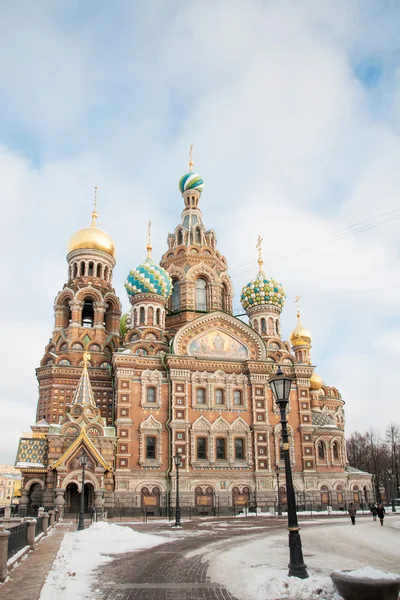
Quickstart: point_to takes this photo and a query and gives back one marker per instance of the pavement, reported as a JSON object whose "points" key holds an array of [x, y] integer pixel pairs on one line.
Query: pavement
{"points": [[25, 581]]}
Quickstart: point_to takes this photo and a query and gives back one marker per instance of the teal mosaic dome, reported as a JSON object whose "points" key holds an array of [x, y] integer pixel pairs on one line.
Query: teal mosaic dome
{"points": [[262, 291], [148, 278], [191, 181]]}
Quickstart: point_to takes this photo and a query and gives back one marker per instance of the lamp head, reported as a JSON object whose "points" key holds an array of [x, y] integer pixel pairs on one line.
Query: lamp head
{"points": [[280, 385], [177, 460], [83, 459]]}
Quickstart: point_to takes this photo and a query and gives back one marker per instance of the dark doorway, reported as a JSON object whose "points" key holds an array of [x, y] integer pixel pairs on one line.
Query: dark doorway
{"points": [[36, 496], [73, 498]]}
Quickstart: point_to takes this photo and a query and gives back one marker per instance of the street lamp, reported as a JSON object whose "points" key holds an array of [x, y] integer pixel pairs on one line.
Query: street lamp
{"points": [[392, 489], [279, 490], [83, 460], [280, 385], [178, 463]]}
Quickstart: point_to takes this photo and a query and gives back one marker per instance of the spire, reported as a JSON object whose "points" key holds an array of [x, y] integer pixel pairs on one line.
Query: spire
{"points": [[260, 258], [84, 393], [191, 163], [297, 303], [149, 247], [95, 213]]}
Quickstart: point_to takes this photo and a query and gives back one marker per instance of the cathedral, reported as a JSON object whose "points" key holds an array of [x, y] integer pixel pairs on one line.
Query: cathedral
{"points": [[178, 374]]}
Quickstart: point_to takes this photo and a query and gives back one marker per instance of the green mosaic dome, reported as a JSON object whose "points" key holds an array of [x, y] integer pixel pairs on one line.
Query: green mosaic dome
{"points": [[262, 291]]}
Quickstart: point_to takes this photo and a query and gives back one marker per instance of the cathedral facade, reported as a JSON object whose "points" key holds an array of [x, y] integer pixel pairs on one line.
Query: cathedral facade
{"points": [[178, 374]]}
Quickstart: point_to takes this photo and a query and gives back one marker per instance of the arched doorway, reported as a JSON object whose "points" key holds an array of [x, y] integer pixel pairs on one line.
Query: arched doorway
{"points": [[73, 498], [35, 497], [324, 491], [204, 499], [150, 500], [241, 498]]}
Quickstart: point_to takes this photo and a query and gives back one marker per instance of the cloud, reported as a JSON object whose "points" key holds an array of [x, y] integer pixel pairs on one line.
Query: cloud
{"points": [[292, 139]]}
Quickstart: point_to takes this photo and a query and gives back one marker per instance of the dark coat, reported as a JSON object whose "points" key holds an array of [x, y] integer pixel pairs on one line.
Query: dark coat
{"points": [[381, 512], [352, 511]]}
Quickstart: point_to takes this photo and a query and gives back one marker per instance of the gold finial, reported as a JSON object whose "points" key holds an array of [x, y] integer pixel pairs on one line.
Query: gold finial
{"points": [[297, 303], [86, 358], [94, 213], [191, 163], [149, 247], [259, 248]]}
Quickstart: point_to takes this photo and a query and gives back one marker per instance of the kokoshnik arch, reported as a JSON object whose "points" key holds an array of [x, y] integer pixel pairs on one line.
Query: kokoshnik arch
{"points": [[178, 373]]}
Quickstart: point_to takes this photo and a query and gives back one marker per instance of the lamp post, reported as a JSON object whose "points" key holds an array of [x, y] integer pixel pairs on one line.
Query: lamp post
{"points": [[83, 460], [178, 463], [279, 490], [392, 489], [280, 385]]}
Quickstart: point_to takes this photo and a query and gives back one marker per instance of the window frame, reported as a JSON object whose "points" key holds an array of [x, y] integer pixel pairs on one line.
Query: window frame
{"points": [[235, 392], [202, 439], [243, 451], [147, 439], [219, 392], [201, 389], [219, 446], [201, 305], [153, 389]]}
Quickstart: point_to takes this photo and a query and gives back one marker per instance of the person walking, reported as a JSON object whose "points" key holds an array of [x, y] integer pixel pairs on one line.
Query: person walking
{"points": [[374, 511], [352, 512], [381, 513]]}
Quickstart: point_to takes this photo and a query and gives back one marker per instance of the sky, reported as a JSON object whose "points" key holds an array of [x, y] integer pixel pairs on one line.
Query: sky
{"points": [[294, 113]]}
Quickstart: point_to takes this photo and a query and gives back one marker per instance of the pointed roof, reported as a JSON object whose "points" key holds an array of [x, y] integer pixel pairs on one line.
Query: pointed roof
{"points": [[90, 448], [84, 393]]}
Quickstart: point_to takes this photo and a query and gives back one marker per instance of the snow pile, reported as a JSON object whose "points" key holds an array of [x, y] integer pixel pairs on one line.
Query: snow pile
{"points": [[371, 573], [81, 552]]}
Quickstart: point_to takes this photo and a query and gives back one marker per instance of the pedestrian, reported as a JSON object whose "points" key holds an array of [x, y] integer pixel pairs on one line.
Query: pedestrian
{"points": [[352, 512], [381, 513], [374, 511]]}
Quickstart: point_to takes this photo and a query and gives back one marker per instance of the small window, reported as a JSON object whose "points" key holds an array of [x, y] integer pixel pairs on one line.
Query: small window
{"points": [[219, 397], [239, 449], [176, 296], [201, 396], [150, 447], [263, 326], [151, 394], [98, 272], [321, 450], [201, 448], [335, 451], [91, 267], [237, 397], [142, 315], [221, 448]]}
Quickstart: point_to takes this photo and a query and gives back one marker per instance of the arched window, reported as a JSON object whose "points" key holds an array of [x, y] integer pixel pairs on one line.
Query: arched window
{"points": [[142, 315], [82, 270], [180, 237], [151, 394], [98, 272], [321, 450], [176, 296], [158, 313], [224, 297], [151, 447], [263, 326], [221, 448], [87, 313], [106, 270], [198, 235], [239, 449], [237, 397], [200, 396], [66, 317], [219, 397], [270, 326], [75, 270], [335, 450], [90, 271], [324, 494], [201, 294], [339, 494]]}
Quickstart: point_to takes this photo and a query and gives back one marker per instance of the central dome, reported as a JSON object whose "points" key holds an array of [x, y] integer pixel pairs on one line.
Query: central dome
{"points": [[92, 238]]}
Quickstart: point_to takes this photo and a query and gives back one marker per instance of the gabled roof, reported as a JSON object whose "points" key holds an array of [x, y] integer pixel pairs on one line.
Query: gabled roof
{"points": [[90, 447], [84, 393]]}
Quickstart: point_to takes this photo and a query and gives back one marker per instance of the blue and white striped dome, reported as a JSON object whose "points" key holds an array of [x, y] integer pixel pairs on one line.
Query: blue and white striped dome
{"points": [[149, 278], [191, 181]]}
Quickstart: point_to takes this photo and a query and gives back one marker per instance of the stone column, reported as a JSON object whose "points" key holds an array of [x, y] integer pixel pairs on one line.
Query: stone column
{"points": [[52, 516], [40, 511], [60, 501], [4, 535], [31, 533], [7, 513], [45, 523], [99, 498]]}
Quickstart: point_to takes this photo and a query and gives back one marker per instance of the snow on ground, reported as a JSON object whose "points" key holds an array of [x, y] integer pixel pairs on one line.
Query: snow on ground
{"points": [[71, 575], [257, 570]]}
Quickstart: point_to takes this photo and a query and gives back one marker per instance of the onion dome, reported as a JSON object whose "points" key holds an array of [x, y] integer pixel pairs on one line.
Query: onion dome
{"points": [[149, 278], [122, 324], [92, 237], [191, 181], [300, 336], [315, 382], [262, 290]]}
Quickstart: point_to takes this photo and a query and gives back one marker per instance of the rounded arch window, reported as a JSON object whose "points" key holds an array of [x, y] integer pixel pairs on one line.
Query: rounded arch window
{"points": [[201, 396], [263, 326], [335, 450], [201, 294], [219, 397], [224, 297], [237, 397], [176, 296], [321, 450], [88, 313]]}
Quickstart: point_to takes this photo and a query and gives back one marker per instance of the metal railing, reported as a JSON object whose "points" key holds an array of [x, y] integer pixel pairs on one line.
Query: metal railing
{"points": [[39, 526], [17, 539]]}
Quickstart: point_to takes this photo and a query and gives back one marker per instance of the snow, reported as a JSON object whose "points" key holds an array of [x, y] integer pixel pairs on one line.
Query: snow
{"points": [[260, 571], [81, 552], [371, 573], [17, 556]]}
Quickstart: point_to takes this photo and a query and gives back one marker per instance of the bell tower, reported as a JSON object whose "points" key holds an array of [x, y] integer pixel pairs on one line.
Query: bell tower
{"points": [[87, 314], [199, 273]]}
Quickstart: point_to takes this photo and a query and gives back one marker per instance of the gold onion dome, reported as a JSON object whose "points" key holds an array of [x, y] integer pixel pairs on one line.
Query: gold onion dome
{"points": [[92, 237], [315, 382], [300, 336]]}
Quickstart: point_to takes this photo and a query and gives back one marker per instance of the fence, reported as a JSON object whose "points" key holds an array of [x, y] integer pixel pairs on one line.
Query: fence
{"points": [[17, 539], [39, 526]]}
